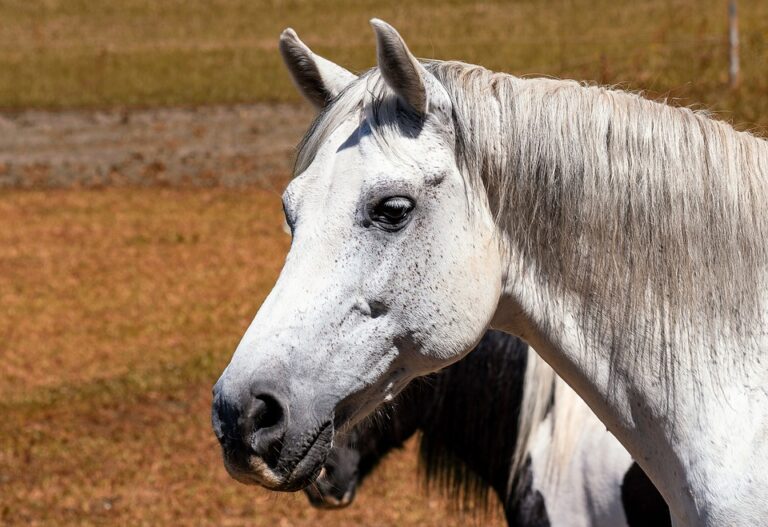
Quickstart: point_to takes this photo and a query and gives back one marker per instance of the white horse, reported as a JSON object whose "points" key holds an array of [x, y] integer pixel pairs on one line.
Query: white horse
{"points": [[625, 239]]}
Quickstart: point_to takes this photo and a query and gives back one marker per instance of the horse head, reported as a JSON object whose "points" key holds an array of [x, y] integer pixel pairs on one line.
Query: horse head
{"points": [[393, 272]]}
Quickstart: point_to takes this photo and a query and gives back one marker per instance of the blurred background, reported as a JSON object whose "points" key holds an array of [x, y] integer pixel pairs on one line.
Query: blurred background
{"points": [[143, 148]]}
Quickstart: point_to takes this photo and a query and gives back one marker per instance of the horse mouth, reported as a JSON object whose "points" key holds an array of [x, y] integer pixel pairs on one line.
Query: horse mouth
{"points": [[308, 465], [291, 471]]}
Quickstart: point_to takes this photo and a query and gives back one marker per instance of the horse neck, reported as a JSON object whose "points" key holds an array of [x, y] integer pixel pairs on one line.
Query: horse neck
{"points": [[677, 446], [640, 228], [658, 347]]}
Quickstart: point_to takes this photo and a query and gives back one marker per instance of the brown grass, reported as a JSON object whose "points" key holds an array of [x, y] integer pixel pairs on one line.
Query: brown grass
{"points": [[119, 309]]}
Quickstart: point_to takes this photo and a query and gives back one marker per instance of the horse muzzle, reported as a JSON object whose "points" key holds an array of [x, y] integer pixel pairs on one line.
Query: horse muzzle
{"points": [[264, 443]]}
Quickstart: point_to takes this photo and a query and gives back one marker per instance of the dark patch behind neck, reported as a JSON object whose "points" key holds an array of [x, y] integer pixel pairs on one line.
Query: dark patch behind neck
{"points": [[470, 431]]}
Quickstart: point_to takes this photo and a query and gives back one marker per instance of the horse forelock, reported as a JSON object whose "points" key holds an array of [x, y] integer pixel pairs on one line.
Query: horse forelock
{"points": [[370, 102]]}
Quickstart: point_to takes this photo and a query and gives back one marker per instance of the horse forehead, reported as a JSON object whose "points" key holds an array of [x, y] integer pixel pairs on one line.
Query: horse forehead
{"points": [[354, 157], [331, 157], [393, 147]]}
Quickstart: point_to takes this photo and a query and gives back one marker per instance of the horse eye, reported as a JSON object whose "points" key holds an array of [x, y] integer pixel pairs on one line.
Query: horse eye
{"points": [[391, 213]]}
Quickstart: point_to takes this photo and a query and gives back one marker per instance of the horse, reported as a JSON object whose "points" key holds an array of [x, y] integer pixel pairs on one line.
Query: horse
{"points": [[572, 472], [626, 240]]}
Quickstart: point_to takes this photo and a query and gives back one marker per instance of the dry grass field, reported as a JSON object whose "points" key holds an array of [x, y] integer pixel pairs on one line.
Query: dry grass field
{"points": [[125, 289], [120, 309], [76, 53]]}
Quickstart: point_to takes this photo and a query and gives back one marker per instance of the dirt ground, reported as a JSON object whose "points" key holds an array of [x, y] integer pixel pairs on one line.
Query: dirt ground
{"points": [[199, 147]]}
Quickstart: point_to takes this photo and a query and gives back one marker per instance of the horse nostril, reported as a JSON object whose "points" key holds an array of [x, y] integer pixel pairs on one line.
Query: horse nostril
{"points": [[265, 412], [262, 424], [253, 424]]}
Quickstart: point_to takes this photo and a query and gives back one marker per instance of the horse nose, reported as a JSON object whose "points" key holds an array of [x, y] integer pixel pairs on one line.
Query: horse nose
{"points": [[258, 423]]}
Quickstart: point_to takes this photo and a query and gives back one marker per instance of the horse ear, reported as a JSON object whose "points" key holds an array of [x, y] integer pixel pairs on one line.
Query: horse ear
{"points": [[400, 69], [318, 79]]}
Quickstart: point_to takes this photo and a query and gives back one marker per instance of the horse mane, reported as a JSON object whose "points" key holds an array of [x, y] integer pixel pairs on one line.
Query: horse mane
{"points": [[469, 428], [467, 448], [654, 216], [547, 401]]}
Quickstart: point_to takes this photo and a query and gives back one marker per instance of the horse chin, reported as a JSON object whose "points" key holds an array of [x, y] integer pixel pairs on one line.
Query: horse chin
{"points": [[289, 473], [329, 503], [325, 493]]}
